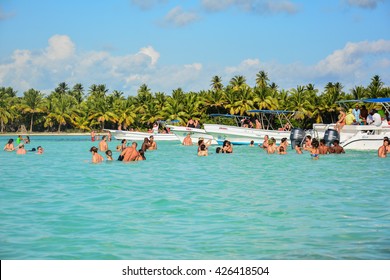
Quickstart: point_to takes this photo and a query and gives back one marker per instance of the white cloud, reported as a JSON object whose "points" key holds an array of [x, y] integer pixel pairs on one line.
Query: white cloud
{"points": [[60, 47], [353, 56], [370, 4], [256, 6], [355, 64], [178, 17], [150, 52]]}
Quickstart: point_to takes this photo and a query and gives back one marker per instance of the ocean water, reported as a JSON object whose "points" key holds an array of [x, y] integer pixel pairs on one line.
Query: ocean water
{"points": [[176, 205]]}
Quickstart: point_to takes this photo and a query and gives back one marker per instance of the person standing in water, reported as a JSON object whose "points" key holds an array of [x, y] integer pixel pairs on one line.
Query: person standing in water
{"points": [[96, 158]]}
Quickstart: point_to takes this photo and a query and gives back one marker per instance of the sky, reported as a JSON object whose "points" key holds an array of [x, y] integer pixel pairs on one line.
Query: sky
{"points": [[168, 44]]}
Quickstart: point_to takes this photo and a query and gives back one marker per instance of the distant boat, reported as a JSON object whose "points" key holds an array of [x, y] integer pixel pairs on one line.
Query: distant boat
{"points": [[140, 136], [239, 135], [182, 131], [359, 137]]}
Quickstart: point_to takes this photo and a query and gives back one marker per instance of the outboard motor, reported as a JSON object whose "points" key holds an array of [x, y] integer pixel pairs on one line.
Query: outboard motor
{"points": [[296, 137], [331, 135]]}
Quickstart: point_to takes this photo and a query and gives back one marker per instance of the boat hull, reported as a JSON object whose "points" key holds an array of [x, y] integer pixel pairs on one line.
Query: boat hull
{"points": [[140, 136], [358, 137], [242, 135], [182, 131]]}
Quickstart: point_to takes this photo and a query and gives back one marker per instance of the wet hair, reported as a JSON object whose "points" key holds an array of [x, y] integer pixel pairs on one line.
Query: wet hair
{"points": [[123, 141], [281, 149], [93, 149], [252, 142], [200, 142], [315, 143], [142, 153], [10, 141], [336, 141], [203, 147], [218, 150], [109, 152], [322, 141], [104, 137]]}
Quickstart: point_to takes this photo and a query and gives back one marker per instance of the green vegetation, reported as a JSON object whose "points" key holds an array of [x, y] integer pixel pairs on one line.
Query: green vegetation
{"points": [[71, 109]]}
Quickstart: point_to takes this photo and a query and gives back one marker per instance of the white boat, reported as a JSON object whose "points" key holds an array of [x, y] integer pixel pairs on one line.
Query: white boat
{"points": [[360, 137], [182, 131], [239, 135], [140, 136]]}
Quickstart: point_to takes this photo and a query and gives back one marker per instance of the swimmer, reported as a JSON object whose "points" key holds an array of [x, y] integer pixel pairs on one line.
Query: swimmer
{"points": [[39, 150], [203, 150], [103, 144], [141, 155], [96, 158], [21, 150], [109, 155], [187, 141], [152, 143], [9, 147], [315, 151]]}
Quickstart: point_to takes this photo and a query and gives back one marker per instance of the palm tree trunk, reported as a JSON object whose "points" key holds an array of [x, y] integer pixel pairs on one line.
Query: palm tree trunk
{"points": [[2, 126], [32, 121], [59, 128]]}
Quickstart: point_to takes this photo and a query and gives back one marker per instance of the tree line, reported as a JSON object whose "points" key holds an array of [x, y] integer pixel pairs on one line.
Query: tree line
{"points": [[74, 109]]}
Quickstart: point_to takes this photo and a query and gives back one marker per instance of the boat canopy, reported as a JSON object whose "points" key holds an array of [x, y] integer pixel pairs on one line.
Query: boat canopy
{"points": [[227, 116], [384, 101], [266, 117]]}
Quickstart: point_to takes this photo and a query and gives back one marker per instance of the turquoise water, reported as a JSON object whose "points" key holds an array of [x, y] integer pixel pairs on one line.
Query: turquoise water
{"points": [[175, 205]]}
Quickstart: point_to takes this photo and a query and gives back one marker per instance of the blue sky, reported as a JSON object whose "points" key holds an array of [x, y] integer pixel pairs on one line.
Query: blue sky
{"points": [[170, 44]]}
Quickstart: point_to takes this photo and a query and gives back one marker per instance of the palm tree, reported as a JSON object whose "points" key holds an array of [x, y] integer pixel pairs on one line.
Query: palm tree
{"points": [[32, 103], [375, 87], [78, 92], [237, 82], [63, 112], [216, 84], [262, 79], [7, 95]]}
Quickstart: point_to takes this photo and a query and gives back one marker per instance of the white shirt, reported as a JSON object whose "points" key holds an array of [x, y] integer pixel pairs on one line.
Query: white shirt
{"points": [[377, 119]]}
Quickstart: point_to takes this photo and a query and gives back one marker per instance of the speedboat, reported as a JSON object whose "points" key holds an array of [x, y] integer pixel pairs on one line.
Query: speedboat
{"points": [[240, 135], [360, 137], [140, 136], [182, 131]]}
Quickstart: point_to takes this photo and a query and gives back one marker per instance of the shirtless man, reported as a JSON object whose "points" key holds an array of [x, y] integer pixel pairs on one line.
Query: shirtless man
{"points": [[96, 158], [103, 144], [336, 149], [187, 140], [130, 153], [382, 151], [323, 148], [21, 150], [152, 144]]}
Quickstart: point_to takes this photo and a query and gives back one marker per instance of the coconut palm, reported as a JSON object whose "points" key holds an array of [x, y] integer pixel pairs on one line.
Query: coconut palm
{"points": [[7, 96], [32, 103], [237, 83], [63, 112], [262, 79], [375, 87], [216, 84]]}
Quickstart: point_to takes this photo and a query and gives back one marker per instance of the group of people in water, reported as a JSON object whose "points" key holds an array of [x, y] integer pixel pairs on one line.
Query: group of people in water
{"points": [[20, 146], [127, 152]]}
